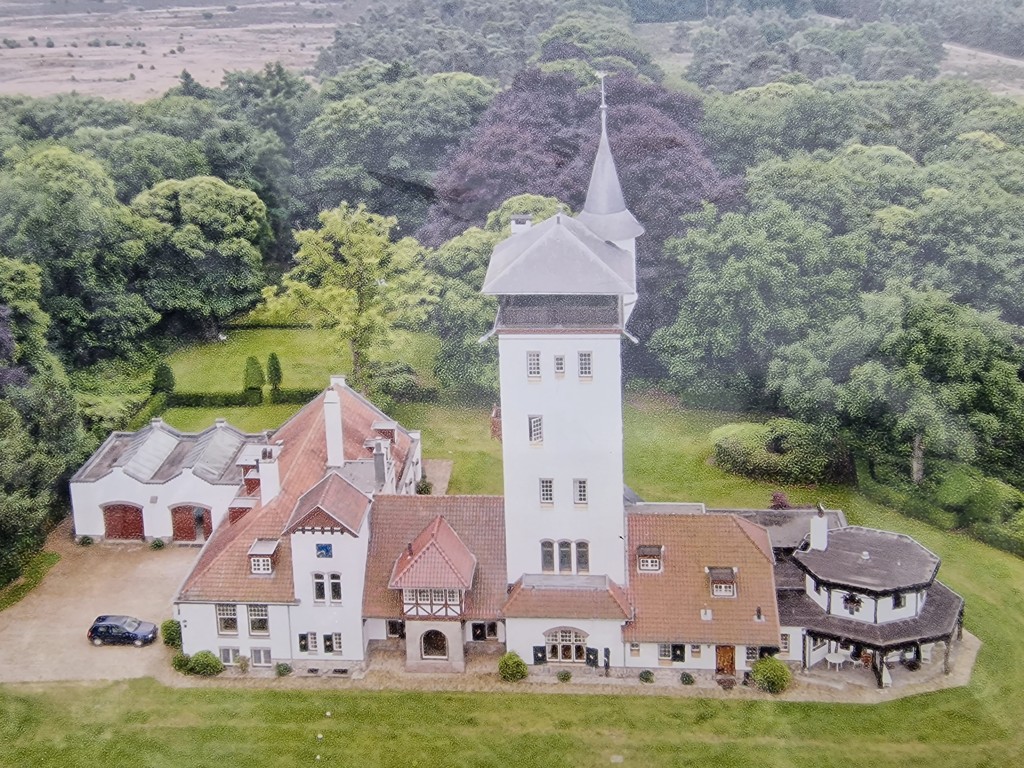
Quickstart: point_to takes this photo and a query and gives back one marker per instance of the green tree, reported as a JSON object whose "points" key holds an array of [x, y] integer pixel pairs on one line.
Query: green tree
{"points": [[205, 262], [163, 378], [355, 278], [254, 378], [274, 375]]}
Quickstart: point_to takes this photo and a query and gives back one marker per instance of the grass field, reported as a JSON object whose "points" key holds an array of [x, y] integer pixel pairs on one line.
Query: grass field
{"points": [[667, 448], [33, 573]]}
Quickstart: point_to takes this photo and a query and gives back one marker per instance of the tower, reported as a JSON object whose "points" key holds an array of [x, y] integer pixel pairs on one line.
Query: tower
{"points": [[565, 289]]}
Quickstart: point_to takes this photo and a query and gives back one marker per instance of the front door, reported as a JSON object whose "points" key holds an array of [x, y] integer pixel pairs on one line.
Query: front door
{"points": [[725, 659], [183, 524], [123, 521]]}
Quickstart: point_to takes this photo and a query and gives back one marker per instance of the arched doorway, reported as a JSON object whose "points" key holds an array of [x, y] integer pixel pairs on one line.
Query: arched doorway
{"points": [[434, 645], [566, 645], [191, 523], [123, 521]]}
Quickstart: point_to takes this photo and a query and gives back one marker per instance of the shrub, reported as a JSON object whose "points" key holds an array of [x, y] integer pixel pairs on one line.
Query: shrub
{"points": [[156, 544], [780, 501], [85, 541], [564, 676], [424, 487], [646, 676], [274, 374], [249, 397], [512, 668], [781, 450], [254, 378], [180, 662], [282, 670], [293, 396], [686, 678], [771, 675], [163, 378], [205, 664], [243, 664], [171, 632]]}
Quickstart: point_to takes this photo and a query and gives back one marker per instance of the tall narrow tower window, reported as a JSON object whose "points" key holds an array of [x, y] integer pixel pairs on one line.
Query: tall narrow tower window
{"points": [[533, 365], [536, 429], [565, 557], [547, 556], [582, 557], [547, 490], [580, 495], [586, 365]]}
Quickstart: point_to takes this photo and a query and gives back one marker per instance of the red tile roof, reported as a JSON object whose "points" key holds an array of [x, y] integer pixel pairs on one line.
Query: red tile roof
{"points": [[668, 603], [332, 502], [223, 572], [396, 521], [436, 559], [567, 597]]}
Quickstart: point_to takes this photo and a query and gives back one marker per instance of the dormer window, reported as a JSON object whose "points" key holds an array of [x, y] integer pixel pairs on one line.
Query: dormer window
{"points": [[852, 604], [261, 564], [648, 558], [723, 582], [899, 600], [261, 556]]}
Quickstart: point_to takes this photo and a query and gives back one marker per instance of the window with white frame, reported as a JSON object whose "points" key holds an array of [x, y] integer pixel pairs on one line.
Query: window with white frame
{"points": [[784, 643], [579, 491], [648, 558], [312, 643], [664, 651], [565, 557], [723, 589], [694, 651], [671, 652], [229, 656], [586, 364], [566, 645], [335, 587], [261, 565], [582, 557], [260, 657], [227, 619], [650, 563], [319, 587], [547, 490], [533, 365], [335, 643], [634, 649], [559, 365], [259, 620], [536, 429], [547, 556], [753, 653]]}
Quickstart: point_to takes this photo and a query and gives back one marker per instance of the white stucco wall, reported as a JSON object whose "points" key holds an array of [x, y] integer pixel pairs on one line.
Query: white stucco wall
{"points": [[309, 616], [199, 631], [468, 634], [648, 658], [89, 499], [582, 440], [523, 634]]}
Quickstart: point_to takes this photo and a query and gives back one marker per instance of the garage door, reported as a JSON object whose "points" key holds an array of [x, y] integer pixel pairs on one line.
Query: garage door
{"points": [[123, 521], [183, 523]]}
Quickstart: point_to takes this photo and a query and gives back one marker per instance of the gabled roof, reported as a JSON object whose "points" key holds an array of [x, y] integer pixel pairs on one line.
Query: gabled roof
{"points": [[158, 453], [553, 596], [436, 559], [559, 256], [223, 572], [479, 522], [331, 503], [605, 212], [668, 603]]}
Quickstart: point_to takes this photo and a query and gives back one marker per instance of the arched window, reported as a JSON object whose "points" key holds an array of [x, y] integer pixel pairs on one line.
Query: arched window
{"points": [[547, 556], [434, 645], [565, 557], [582, 557], [566, 645]]}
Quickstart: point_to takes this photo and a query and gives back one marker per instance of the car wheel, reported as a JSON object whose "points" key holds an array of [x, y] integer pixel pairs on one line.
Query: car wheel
{"points": [[97, 642], [137, 642]]}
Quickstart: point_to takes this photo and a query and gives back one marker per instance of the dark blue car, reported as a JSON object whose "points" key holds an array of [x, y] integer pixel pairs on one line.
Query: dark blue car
{"points": [[109, 630]]}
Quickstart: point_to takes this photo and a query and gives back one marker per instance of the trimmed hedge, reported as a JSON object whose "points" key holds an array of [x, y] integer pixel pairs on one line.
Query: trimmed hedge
{"points": [[780, 450], [171, 632], [512, 668], [293, 396], [205, 664], [152, 408], [250, 397]]}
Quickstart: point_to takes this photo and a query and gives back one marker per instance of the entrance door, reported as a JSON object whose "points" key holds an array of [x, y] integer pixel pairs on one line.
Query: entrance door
{"points": [[725, 659], [183, 524], [123, 521], [434, 645]]}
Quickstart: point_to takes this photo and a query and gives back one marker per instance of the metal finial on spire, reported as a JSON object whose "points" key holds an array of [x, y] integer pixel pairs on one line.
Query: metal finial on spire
{"points": [[604, 105]]}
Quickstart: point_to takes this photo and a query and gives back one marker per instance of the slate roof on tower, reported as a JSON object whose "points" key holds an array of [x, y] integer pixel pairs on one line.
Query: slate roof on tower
{"points": [[605, 212], [559, 256]]}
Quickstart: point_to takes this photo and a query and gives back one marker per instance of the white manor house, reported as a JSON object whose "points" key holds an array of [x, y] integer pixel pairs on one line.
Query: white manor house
{"points": [[317, 549]]}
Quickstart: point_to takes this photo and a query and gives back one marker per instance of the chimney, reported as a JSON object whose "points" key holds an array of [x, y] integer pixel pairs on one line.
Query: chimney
{"points": [[380, 469], [521, 222], [332, 428], [270, 475], [819, 530]]}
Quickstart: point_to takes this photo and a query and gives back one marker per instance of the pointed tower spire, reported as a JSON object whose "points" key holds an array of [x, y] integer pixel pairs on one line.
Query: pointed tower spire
{"points": [[605, 212]]}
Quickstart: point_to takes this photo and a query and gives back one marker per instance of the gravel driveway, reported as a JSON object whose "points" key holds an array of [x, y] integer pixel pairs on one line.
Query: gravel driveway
{"points": [[42, 637]]}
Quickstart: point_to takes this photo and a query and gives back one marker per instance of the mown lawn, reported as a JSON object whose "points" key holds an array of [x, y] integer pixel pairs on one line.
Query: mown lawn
{"points": [[666, 453]]}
